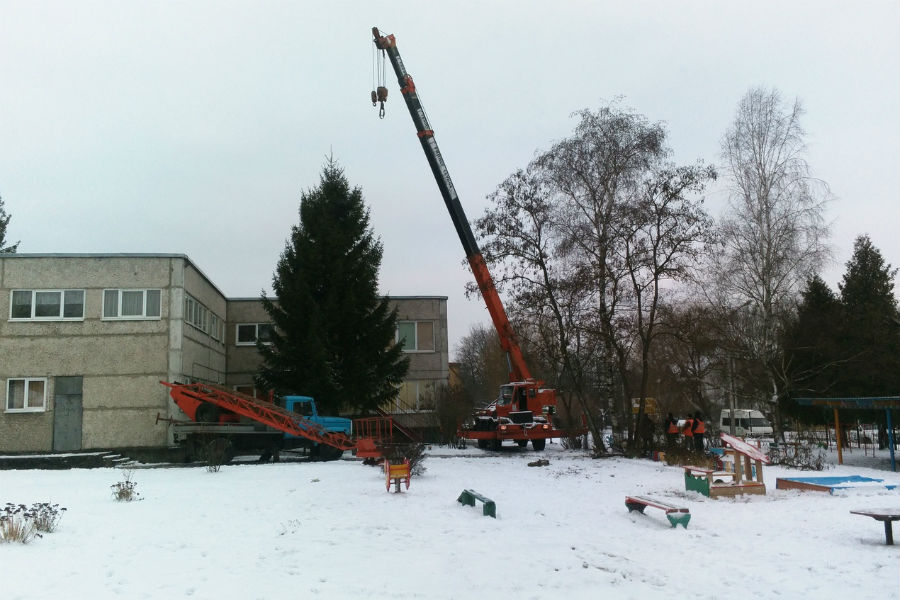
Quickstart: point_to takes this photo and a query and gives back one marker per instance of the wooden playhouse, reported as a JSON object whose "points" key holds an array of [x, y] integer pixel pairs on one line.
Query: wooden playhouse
{"points": [[743, 472]]}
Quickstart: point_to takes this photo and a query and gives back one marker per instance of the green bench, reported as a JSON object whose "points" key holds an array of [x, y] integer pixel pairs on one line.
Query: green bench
{"points": [[468, 498], [675, 514]]}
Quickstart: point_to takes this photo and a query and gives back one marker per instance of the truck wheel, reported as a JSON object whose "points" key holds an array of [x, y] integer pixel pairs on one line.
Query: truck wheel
{"points": [[538, 445], [329, 452], [483, 444], [496, 445], [207, 413], [522, 443]]}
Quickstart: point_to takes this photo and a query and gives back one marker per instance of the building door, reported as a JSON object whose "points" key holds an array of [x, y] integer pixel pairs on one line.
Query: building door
{"points": [[67, 414]]}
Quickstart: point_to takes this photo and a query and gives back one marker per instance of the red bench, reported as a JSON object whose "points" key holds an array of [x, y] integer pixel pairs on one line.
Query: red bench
{"points": [[675, 514]]}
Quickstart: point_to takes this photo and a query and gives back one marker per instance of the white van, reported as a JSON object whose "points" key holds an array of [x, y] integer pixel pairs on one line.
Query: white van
{"points": [[747, 422]]}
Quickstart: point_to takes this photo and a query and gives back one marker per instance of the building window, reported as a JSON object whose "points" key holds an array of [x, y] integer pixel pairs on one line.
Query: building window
{"points": [[248, 333], [26, 395], [249, 390], [416, 336], [46, 305], [131, 304], [416, 396], [197, 315]]}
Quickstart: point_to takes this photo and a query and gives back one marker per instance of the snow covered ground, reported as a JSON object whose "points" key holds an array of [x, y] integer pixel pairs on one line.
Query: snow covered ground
{"points": [[330, 530]]}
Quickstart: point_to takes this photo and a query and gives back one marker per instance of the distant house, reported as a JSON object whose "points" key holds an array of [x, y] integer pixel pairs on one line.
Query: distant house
{"points": [[88, 337]]}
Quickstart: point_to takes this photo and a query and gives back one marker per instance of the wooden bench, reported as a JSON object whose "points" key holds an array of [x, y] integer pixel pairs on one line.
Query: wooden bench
{"points": [[468, 498], [675, 514], [887, 516]]}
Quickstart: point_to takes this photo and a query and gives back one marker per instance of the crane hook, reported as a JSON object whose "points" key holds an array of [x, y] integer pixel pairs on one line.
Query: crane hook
{"points": [[380, 96]]}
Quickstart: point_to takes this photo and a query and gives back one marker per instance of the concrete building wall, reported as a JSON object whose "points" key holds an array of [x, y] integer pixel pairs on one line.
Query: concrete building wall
{"points": [[203, 339], [120, 360], [243, 360]]}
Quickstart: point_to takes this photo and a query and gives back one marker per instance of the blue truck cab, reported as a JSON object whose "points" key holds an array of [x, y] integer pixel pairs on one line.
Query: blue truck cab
{"points": [[305, 406]]}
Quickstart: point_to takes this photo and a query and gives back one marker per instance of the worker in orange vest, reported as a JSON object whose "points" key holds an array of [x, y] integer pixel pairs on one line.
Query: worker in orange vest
{"points": [[699, 430], [688, 433], [671, 431]]}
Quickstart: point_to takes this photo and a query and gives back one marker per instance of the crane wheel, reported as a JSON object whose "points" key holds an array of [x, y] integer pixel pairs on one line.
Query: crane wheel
{"points": [[538, 445]]}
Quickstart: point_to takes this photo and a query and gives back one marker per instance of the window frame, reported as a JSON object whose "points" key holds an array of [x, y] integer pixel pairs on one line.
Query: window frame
{"points": [[202, 318], [256, 326], [423, 389], [33, 304], [415, 323], [120, 293], [25, 408]]}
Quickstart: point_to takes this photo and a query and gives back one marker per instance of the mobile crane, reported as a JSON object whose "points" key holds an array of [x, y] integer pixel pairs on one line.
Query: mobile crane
{"points": [[523, 410]]}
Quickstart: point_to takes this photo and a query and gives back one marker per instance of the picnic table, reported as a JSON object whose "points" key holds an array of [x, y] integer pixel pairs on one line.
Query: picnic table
{"points": [[885, 515]]}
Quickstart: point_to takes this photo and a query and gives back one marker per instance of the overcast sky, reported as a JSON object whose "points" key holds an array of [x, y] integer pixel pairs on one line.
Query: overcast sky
{"points": [[193, 127]]}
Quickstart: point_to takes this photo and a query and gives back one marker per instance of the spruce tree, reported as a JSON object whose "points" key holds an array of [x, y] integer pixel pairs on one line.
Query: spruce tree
{"points": [[814, 349], [334, 336], [871, 331]]}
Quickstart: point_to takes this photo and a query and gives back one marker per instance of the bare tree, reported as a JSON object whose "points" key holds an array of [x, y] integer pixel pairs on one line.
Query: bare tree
{"points": [[4, 222], [687, 356], [663, 232], [774, 236], [482, 365], [582, 239]]}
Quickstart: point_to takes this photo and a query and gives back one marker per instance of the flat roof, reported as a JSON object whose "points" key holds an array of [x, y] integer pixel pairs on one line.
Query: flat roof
{"points": [[184, 257]]}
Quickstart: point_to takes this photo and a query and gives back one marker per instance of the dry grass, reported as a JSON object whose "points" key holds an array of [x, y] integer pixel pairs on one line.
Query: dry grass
{"points": [[21, 524], [125, 490]]}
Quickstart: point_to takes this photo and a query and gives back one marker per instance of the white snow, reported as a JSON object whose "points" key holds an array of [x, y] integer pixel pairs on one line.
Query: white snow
{"points": [[331, 530]]}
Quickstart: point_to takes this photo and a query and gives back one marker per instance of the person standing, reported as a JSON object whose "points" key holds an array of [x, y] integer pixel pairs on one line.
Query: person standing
{"points": [[688, 432], [698, 429], [671, 426], [647, 432]]}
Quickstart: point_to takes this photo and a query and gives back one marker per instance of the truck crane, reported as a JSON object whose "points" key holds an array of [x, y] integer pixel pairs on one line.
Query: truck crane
{"points": [[248, 423], [523, 409]]}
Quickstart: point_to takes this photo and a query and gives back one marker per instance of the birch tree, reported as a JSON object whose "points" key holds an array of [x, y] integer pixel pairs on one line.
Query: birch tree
{"points": [[774, 234]]}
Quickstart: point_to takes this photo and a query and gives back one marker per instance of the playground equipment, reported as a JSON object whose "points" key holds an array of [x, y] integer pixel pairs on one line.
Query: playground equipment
{"points": [[488, 507], [830, 484], [744, 475], [887, 403], [396, 473], [675, 514], [886, 516]]}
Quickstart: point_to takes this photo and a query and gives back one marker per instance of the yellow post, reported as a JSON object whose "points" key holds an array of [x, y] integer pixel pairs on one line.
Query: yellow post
{"points": [[837, 434]]}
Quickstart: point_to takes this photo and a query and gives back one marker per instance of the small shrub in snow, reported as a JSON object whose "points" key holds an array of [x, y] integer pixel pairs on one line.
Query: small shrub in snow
{"points": [[415, 453], [217, 453], [17, 524], [46, 516], [800, 455], [291, 526], [125, 490]]}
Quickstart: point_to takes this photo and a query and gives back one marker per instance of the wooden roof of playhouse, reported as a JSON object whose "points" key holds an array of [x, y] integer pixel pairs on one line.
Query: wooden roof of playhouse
{"points": [[742, 447]]}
